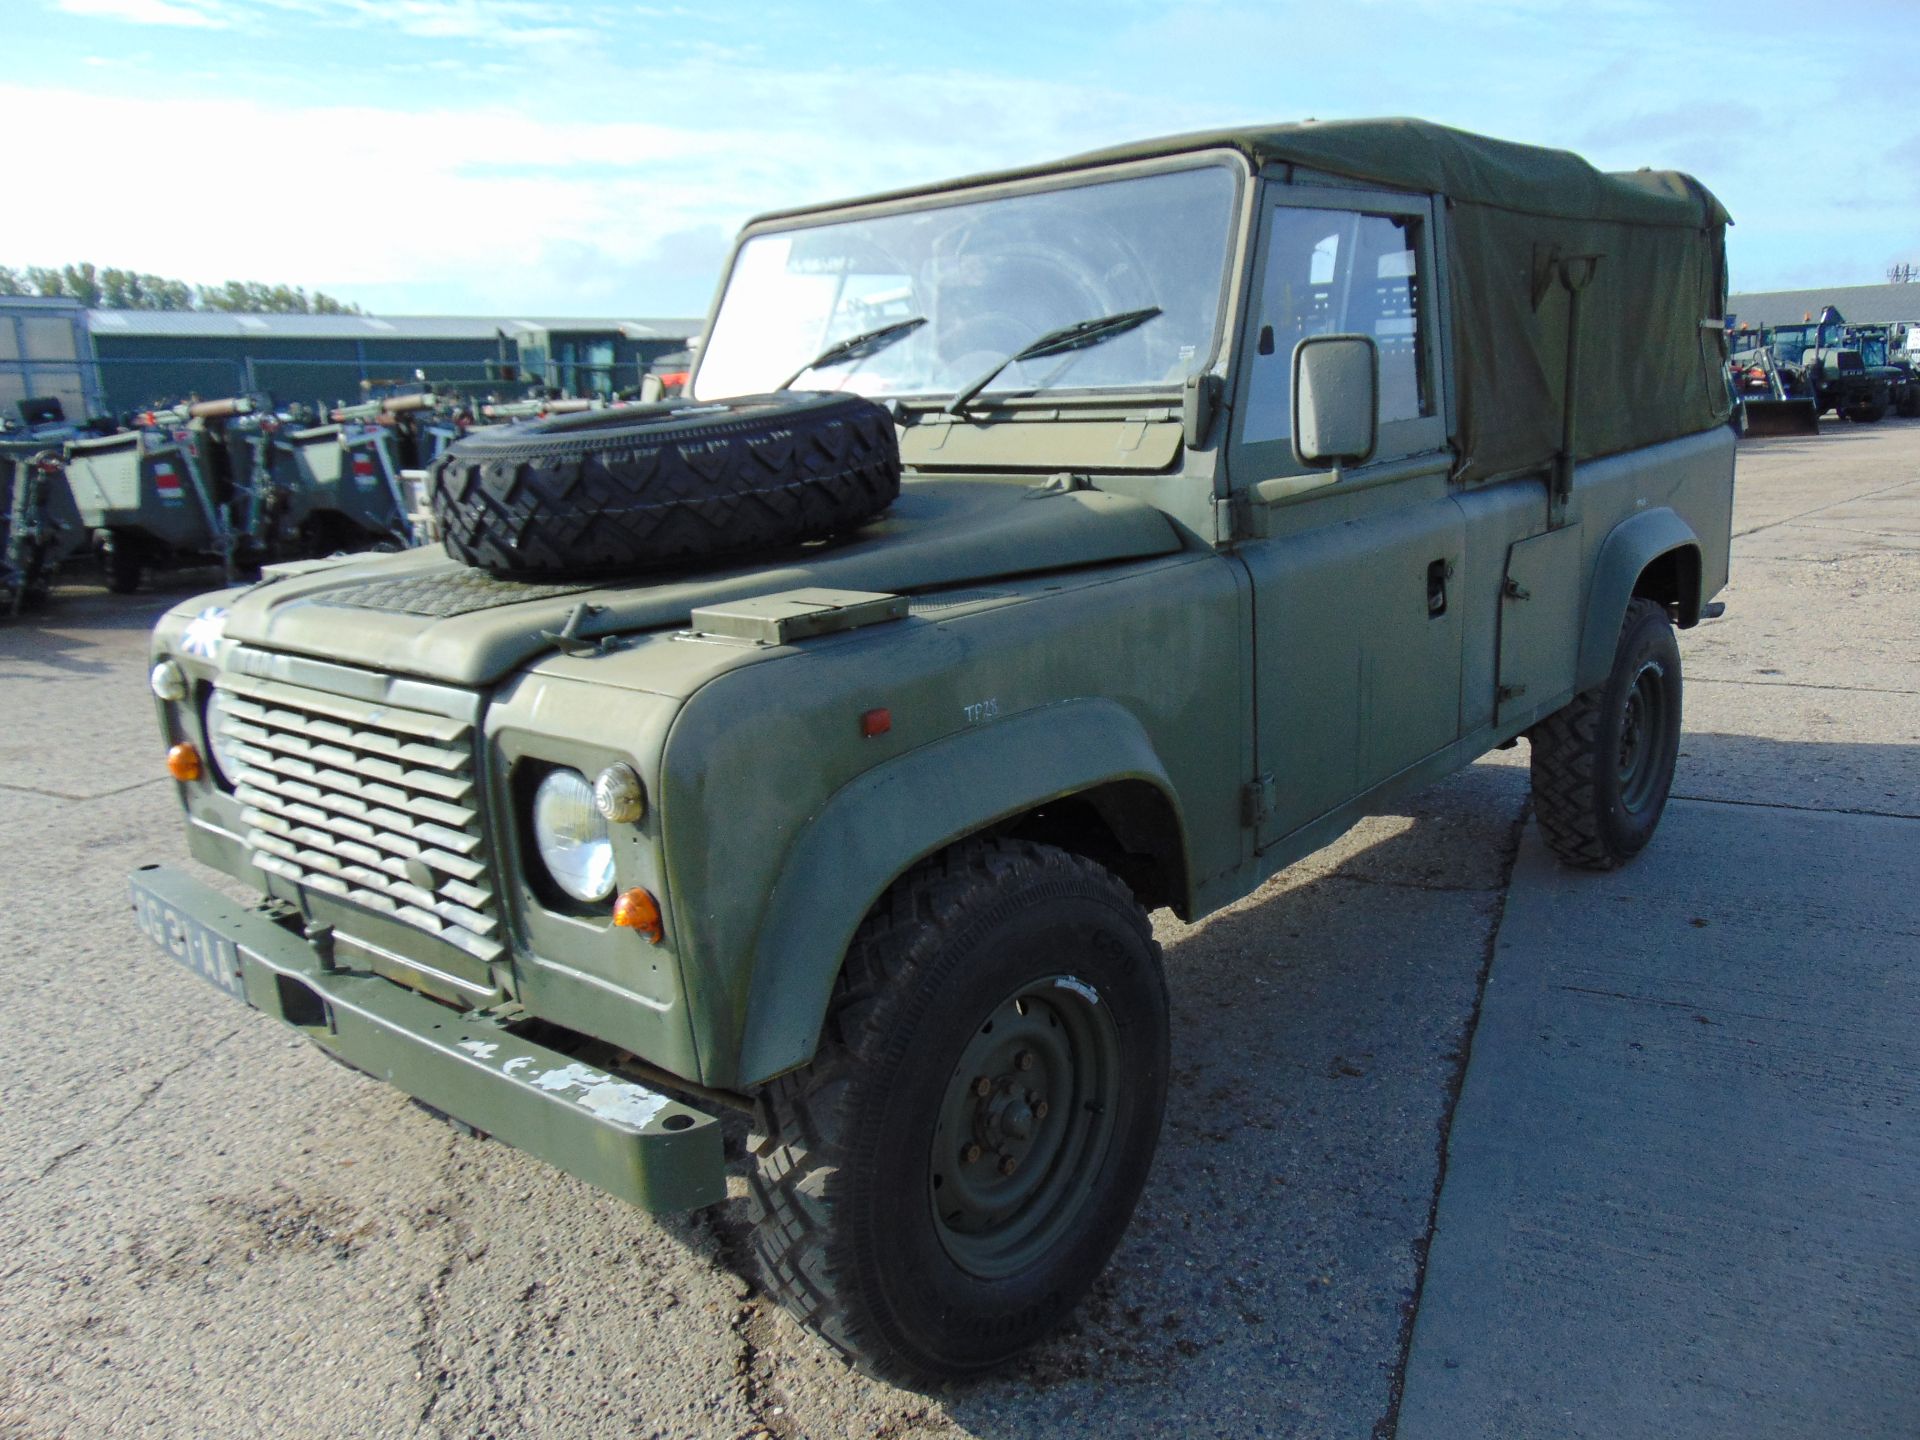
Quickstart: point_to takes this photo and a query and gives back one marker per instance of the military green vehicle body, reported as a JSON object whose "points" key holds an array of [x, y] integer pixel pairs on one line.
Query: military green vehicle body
{"points": [[343, 483], [39, 524], [1127, 622], [1843, 374], [154, 486]]}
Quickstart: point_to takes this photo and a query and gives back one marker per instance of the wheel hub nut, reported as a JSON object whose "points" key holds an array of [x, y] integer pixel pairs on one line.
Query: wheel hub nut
{"points": [[970, 1154], [1006, 1165], [1025, 1060], [983, 1087]]}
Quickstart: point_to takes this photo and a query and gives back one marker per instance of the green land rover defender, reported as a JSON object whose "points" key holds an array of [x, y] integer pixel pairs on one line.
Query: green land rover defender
{"points": [[1027, 553]]}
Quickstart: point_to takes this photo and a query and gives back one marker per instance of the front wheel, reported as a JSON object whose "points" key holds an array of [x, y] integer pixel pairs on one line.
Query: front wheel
{"points": [[950, 1174], [1603, 763]]}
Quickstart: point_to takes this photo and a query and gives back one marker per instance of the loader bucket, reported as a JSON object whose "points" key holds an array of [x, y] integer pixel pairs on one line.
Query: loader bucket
{"points": [[1760, 418]]}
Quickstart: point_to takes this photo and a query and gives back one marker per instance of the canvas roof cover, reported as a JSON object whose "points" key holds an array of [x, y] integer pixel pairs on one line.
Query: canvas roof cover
{"points": [[1651, 347]]}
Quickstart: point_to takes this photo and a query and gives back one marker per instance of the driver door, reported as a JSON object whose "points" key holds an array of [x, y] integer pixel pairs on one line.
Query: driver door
{"points": [[1357, 627]]}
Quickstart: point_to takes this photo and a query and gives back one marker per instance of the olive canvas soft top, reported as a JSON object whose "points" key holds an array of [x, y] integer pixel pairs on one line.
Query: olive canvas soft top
{"points": [[1651, 342], [1651, 346]]}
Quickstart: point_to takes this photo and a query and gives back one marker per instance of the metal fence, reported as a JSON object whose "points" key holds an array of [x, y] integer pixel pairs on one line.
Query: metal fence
{"points": [[133, 382]]}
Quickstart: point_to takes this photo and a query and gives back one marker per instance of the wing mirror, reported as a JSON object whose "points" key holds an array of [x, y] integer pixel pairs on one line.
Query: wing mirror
{"points": [[1336, 394]]}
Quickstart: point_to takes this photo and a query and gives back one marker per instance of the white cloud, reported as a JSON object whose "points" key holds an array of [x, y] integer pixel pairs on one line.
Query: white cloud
{"points": [[489, 208], [199, 14], [518, 22]]}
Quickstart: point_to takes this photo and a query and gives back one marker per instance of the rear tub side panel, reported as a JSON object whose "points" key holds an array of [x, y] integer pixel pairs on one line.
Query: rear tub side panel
{"points": [[1637, 507], [756, 759]]}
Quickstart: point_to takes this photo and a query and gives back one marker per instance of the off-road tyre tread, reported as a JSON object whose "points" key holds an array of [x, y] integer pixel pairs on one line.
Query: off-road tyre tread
{"points": [[803, 1262], [664, 491], [1565, 754], [120, 565]]}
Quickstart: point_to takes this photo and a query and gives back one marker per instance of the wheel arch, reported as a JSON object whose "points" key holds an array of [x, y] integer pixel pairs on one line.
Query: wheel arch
{"points": [[1082, 775], [1653, 555]]}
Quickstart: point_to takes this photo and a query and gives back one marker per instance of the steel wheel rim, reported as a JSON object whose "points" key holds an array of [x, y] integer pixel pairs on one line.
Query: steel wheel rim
{"points": [[1643, 736], [1026, 1120]]}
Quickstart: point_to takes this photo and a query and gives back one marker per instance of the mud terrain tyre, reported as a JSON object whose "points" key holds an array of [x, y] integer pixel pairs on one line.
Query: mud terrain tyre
{"points": [[637, 486], [1603, 763], [120, 562], [950, 1174]]}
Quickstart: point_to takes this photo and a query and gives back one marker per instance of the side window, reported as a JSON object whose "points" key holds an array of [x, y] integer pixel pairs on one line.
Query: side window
{"points": [[1338, 271]]}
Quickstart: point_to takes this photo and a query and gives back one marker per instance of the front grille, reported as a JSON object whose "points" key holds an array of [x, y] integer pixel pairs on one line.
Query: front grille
{"points": [[368, 802]]}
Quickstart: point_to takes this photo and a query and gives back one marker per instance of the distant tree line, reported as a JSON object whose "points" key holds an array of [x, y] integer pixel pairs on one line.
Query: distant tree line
{"points": [[112, 289]]}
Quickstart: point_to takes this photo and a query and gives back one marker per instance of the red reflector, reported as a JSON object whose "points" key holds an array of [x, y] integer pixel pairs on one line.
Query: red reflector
{"points": [[362, 465], [876, 722]]}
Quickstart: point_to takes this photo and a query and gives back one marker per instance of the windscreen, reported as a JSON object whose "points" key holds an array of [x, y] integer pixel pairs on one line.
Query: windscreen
{"points": [[984, 279]]}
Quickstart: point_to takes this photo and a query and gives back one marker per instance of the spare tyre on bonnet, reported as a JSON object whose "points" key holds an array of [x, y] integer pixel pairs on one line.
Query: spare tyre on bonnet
{"points": [[645, 485]]}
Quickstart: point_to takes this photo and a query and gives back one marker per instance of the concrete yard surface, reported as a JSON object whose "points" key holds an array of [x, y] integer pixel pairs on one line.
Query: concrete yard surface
{"points": [[1680, 1192]]}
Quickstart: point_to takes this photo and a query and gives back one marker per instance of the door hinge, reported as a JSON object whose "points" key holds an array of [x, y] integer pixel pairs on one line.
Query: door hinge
{"points": [[1257, 799]]}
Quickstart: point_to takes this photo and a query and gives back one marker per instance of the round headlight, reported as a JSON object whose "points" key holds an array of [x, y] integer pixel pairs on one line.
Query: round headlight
{"points": [[226, 765], [572, 836]]}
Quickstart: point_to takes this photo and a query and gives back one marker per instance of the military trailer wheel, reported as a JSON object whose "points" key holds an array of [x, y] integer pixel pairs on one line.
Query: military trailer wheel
{"points": [[1603, 763], [952, 1171], [120, 563]]}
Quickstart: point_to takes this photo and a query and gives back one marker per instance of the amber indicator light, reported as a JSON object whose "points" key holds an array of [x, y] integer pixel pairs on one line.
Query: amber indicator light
{"points": [[183, 762], [876, 722], [637, 910]]}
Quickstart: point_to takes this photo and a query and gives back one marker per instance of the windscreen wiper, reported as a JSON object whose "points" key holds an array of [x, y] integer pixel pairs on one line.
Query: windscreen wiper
{"points": [[1077, 336], [857, 347]]}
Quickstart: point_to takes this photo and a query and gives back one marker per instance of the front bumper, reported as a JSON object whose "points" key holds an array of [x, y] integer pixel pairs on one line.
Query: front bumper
{"points": [[630, 1141]]}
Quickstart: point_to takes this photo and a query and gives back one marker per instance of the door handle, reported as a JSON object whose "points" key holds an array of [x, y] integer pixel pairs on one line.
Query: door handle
{"points": [[1437, 575]]}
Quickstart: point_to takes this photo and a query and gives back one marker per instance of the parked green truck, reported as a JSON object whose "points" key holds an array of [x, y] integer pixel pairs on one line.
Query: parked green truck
{"points": [[1094, 537]]}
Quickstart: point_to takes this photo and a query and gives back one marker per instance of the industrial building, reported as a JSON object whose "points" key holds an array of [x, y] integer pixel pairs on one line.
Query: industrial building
{"points": [[108, 362], [1862, 304]]}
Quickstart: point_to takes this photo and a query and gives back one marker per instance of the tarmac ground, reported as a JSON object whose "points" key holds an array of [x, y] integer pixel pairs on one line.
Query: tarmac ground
{"points": [[1646, 1223]]}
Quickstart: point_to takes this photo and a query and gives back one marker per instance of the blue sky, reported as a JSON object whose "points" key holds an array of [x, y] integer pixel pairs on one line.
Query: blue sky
{"points": [[520, 157]]}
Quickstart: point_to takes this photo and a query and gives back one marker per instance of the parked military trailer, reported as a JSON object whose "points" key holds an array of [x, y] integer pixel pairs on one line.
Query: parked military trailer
{"points": [[1123, 530], [39, 525], [345, 486]]}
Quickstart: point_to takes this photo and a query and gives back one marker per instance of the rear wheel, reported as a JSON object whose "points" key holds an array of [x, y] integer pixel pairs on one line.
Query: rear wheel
{"points": [[1868, 412], [1603, 764], [120, 563], [952, 1171]]}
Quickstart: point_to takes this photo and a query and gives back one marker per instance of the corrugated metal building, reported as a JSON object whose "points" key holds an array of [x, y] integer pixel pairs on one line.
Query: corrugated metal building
{"points": [[1862, 304], [131, 359], [44, 351]]}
